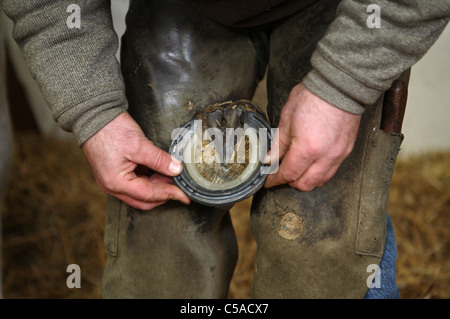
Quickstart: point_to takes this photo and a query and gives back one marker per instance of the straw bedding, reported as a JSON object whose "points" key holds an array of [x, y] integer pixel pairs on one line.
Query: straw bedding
{"points": [[53, 216]]}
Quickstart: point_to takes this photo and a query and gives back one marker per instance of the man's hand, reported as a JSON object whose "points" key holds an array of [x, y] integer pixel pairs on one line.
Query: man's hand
{"points": [[314, 138], [114, 153]]}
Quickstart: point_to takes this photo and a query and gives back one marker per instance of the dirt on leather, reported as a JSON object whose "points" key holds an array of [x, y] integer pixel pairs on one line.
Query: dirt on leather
{"points": [[53, 215]]}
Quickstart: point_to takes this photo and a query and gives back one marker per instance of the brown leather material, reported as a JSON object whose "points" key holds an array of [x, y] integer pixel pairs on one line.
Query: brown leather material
{"points": [[172, 251], [394, 105], [379, 160], [314, 244], [175, 62], [319, 244]]}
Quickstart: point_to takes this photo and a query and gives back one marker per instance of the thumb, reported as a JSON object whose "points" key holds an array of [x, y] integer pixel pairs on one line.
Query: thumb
{"points": [[156, 159]]}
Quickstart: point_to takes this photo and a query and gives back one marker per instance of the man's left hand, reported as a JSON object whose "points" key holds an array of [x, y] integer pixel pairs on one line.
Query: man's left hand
{"points": [[314, 138]]}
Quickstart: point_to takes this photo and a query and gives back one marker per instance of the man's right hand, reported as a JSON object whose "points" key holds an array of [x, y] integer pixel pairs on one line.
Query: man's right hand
{"points": [[114, 153]]}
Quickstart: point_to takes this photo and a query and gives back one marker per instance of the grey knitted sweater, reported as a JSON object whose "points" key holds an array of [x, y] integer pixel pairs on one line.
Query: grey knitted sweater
{"points": [[80, 77]]}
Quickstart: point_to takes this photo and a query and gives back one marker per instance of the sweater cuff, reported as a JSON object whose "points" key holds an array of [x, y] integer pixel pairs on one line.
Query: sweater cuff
{"points": [[338, 87], [95, 114]]}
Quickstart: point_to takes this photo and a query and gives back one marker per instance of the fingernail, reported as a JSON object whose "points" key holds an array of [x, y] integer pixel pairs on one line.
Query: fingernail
{"points": [[175, 167]]}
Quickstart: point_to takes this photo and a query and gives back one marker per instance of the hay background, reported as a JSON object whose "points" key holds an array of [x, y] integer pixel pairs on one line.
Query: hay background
{"points": [[53, 216]]}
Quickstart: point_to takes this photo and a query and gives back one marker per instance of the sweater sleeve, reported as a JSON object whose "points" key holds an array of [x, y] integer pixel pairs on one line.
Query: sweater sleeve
{"points": [[354, 64], [75, 68]]}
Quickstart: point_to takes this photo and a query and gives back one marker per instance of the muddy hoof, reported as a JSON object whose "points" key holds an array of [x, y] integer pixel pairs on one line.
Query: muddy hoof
{"points": [[222, 149]]}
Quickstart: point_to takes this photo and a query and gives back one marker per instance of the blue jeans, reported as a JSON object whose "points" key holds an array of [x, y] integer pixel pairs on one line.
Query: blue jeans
{"points": [[387, 288]]}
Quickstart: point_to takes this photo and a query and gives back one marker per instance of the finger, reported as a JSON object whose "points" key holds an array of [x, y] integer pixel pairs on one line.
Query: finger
{"points": [[157, 159], [316, 175], [145, 189], [292, 167], [158, 178], [137, 203]]}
